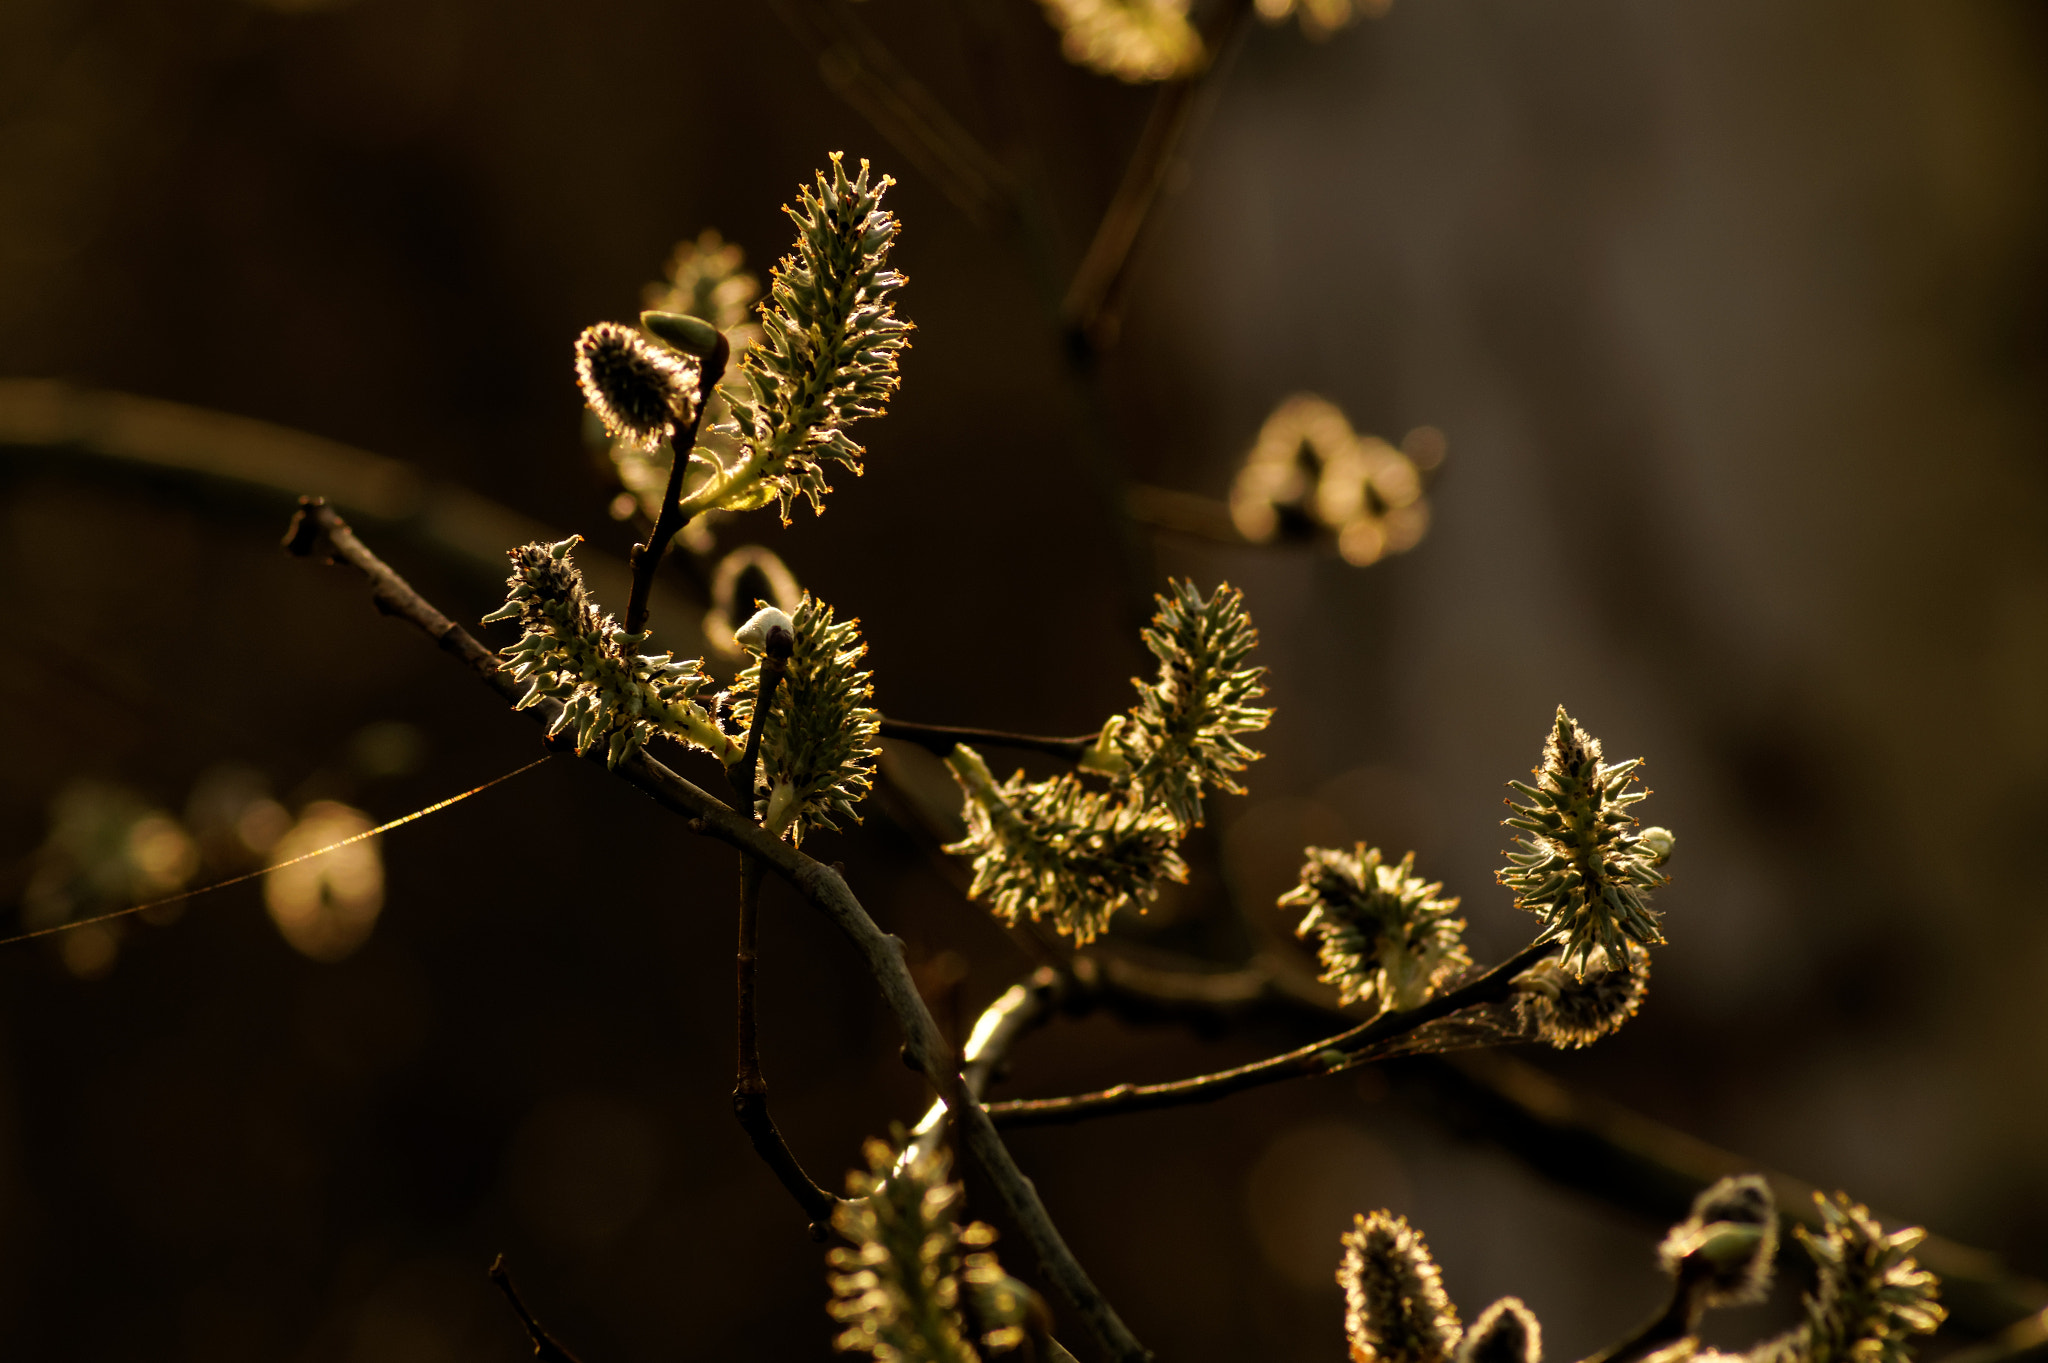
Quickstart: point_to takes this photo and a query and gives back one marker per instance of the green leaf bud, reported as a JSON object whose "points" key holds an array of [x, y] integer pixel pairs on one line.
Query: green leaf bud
{"points": [[1728, 1245], [573, 653], [680, 331], [818, 748], [912, 1285]]}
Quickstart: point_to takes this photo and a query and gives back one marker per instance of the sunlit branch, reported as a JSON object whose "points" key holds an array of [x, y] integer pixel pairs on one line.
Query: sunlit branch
{"points": [[317, 532], [1319, 1057], [647, 557], [943, 738]]}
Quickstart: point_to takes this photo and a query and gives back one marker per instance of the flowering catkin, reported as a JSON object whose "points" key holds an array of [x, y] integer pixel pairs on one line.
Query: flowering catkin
{"points": [[639, 390], [1395, 1308], [1583, 868]]}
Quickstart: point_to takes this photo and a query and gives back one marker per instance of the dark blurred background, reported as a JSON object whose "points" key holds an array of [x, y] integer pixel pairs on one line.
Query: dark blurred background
{"points": [[1733, 318]]}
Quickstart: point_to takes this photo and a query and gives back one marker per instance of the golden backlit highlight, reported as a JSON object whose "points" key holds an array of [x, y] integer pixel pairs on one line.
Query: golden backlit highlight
{"points": [[326, 907], [1310, 470]]}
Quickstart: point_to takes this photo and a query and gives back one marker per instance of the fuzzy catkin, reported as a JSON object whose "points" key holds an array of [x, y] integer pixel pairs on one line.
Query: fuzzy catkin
{"points": [[1395, 1308]]}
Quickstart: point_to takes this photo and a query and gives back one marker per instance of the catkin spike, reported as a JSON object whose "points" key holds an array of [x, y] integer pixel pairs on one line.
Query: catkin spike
{"points": [[1395, 1309], [1583, 868], [573, 653], [1384, 935]]}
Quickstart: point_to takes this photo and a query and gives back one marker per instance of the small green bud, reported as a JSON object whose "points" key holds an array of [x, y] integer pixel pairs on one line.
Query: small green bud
{"points": [[680, 331], [1727, 1246], [1658, 842]]}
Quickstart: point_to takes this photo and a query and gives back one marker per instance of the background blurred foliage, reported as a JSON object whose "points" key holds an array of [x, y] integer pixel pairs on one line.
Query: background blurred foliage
{"points": [[1732, 316]]}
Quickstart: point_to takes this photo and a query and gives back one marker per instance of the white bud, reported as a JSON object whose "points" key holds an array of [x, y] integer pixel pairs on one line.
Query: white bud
{"points": [[753, 636]]}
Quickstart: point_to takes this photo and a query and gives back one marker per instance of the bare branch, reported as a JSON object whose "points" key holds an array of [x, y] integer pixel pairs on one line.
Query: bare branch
{"points": [[943, 738], [1021, 1009], [1335, 1053], [750, 1086], [546, 1349], [1594, 1145], [2025, 1339], [858, 68], [1095, 298], [317, 531], [1628, 1160]]}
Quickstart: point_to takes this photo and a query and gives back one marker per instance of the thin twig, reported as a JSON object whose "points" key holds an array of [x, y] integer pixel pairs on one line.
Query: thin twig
{"points": [[1605, 1149], [750, 1086], [1020, 1009], [1094, 299], [2025, 1339], [209, 454], [545, 1347], [1678, 1321], [647, 557], [775, 654], [943, 738], [1590, 1144], [317, 531], [858, 68], [1335, 1053]]}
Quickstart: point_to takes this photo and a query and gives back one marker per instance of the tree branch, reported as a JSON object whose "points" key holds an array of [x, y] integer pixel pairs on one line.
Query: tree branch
{"points": [[545, 1347], [647, 557], [1335, 1053], [858, 68], [1090, 310], [317, 531], [1022, 1008], [2024, 1341], [942, 738], [1630, 1161], [1587, 1143], [750, 1086]]}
